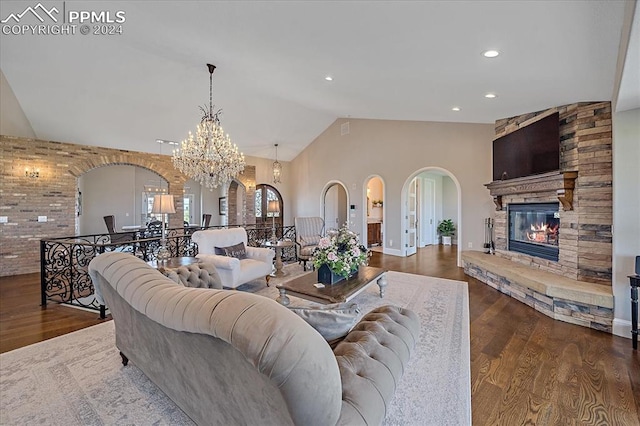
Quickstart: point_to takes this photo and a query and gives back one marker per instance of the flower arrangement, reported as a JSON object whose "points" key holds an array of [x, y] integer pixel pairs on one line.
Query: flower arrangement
{"points": [[340, 251]]}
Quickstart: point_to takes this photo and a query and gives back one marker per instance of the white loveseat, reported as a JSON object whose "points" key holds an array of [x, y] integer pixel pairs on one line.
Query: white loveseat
{"points": [[233, 271]]}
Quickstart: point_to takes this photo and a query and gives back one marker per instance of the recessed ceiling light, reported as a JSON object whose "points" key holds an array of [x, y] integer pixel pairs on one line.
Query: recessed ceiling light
{"points": [[455, 109], [490, 95], [490, 53], [328, 78]]}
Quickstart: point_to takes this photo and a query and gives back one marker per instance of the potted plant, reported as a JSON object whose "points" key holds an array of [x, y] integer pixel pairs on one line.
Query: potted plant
{"points": [[446, 229]]}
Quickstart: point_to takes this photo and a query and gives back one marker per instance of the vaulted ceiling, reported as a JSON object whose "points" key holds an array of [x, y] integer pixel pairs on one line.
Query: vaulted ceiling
{"points": [[389, 60]]}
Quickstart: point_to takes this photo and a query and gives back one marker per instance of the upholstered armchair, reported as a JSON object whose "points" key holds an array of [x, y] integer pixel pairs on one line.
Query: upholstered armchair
{"points": [[235, 262], [309, 230]]}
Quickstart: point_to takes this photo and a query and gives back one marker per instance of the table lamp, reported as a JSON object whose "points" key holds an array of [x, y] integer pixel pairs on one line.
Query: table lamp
{"points": [[163, 204], [273, 207]]}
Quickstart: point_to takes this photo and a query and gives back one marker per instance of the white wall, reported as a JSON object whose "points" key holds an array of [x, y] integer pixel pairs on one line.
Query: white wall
{"points": [[13, 121], [450, 205], [192, 187], [626, 213], [210, 202], [395, 150], [109, 190]]}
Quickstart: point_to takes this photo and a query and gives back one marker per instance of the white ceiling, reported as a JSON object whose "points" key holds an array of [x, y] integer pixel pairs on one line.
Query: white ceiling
{"points": [[390, 60]]}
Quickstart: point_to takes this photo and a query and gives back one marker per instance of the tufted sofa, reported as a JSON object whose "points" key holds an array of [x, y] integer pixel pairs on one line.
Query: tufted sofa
{"points": [[228, 357], [233, 272], [198, 275]]}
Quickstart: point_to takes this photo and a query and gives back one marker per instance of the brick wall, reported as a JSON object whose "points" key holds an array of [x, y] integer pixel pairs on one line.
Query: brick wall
{"points": [[247, 209], [23, 199], [585, 232]]}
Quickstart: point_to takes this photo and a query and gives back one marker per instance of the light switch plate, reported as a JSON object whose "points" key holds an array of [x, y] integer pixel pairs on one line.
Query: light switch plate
{"points": [[42, 218]]}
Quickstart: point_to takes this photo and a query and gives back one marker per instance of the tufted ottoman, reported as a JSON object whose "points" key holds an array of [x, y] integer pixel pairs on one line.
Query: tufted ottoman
{"points": [[372, 358]]}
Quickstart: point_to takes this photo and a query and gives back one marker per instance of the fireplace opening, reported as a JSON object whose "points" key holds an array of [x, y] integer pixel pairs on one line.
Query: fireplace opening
{"points": [[534, 229]]}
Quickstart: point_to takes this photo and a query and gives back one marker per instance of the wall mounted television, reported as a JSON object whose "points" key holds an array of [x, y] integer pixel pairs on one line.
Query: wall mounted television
{"points": [[531, 150]]}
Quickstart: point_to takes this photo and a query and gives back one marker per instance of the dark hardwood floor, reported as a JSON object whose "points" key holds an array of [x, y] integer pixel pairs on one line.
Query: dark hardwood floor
{"points": [[525, 367], [23, 321]]}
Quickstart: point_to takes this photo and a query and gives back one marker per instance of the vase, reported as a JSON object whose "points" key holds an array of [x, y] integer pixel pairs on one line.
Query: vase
{"points": [[327, 276]]}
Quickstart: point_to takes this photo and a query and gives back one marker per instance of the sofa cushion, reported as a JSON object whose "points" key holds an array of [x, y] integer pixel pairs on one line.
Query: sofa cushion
{"points": [[237, 250], [331, 321]]}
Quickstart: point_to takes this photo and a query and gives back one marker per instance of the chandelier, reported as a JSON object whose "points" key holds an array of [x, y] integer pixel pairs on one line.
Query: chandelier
{"points": [[209, 157], [277, 168]]}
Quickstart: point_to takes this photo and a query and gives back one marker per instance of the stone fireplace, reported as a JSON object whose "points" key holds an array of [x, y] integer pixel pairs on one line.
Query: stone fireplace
{"points": [[534, 229], [552, 231], [582, 187]]}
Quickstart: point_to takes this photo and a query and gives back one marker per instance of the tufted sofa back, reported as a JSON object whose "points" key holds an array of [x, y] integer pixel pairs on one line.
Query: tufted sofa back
{"points": [[196, 344], [198, 275]]}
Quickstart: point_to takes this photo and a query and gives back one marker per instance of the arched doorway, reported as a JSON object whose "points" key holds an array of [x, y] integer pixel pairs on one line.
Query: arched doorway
{"points": [[264, 216], [373, 220], [428, 196], [122, 190], [335, 205], [236, 202]]}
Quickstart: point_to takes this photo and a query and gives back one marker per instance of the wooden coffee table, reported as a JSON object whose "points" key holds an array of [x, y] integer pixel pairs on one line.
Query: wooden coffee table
{"points": [[344, 291]]}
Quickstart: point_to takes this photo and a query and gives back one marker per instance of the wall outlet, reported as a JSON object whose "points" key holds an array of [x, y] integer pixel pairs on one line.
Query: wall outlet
{"points": [[42, 218], [4, 219], [470, 244], [390, 243]]}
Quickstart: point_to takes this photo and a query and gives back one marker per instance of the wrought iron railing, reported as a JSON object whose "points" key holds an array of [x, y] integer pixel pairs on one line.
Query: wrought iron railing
{"points": [[64, 276]]}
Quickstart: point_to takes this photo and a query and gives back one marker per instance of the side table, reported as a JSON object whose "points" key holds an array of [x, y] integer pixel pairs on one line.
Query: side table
{"points": [[634, 281], [279, 246]]}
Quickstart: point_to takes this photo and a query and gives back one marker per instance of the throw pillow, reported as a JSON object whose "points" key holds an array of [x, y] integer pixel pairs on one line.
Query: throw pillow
{"points": [[238, 251], [331, 321]]}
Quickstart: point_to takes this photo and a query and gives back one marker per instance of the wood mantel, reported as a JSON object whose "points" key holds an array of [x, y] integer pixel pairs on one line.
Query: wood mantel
{"points": [[563, 183]]}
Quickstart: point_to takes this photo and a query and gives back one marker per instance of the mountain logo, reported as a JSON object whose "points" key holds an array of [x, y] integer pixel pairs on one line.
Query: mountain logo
{"points": [[38, 11]]}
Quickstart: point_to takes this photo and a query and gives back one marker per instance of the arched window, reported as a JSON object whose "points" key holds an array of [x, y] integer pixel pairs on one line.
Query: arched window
{"points": [[264, 194]]}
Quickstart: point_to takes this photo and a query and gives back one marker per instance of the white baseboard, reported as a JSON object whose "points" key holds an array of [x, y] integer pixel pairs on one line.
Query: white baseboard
{"points": [[622, 328], [392, 252]]}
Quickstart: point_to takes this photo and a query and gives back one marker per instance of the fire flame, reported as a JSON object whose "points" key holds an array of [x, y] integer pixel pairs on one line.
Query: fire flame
{"points": [[542, 233]]}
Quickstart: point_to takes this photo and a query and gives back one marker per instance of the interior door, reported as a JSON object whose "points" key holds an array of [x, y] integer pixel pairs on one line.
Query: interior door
{"points": [[428, 228], [412, 218]]}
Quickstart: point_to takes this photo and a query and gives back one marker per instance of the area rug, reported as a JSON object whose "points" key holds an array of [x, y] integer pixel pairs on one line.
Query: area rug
{"points": [[78, 379]]}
